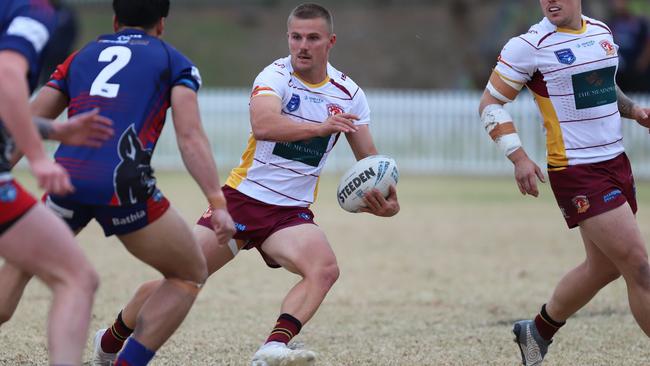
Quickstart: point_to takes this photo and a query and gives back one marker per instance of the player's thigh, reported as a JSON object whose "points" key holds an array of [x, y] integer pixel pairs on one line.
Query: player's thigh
{"points": [[300, 249], [43, 245], [168, 245], [597, 260], [216, 256], [617, 235]]}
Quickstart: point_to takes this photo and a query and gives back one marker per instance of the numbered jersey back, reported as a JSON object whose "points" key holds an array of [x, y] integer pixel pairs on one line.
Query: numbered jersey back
{"points": [[129, 76]]}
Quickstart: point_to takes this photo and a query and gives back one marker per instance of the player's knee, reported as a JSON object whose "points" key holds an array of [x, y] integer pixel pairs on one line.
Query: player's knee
{"points": [[86, 279], [327, 275]]}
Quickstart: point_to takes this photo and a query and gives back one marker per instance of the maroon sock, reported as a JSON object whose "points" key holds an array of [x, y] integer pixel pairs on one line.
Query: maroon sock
{"points": [[546, 326], [114, 337], [285, 328]]}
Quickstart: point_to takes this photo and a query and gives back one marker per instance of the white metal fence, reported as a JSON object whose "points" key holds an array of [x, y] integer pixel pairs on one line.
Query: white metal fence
{"points": [[427, 132]]}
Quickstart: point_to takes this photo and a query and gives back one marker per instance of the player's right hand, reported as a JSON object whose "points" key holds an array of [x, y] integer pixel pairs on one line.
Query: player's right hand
{"points": [[223, 225], [51, 176], [342, 122]]}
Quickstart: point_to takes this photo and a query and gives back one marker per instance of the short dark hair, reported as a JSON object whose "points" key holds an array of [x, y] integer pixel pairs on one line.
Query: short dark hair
{"points": [[312, 11], [140, 13]]}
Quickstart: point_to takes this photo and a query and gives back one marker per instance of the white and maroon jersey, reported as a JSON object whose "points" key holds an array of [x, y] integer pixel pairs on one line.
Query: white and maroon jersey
{"points": [[287, 173], [572, 77]]}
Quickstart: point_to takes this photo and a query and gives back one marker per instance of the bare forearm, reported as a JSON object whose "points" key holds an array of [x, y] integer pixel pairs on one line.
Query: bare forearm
{"points": [[15, 114], [283, 129], [625, 104]]}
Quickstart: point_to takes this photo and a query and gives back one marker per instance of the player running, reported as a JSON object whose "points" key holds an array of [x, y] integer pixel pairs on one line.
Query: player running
{"points": [[569, 62], [299, 106]]}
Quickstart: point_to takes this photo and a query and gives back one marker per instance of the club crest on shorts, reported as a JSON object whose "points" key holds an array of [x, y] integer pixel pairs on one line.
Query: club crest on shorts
{"points": [[581, 203], [334, 109], [565, 56], [294, 103], [208, 213]]}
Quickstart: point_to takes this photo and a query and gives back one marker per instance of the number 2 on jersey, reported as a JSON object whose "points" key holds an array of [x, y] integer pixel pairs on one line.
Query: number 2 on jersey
{"points": [[119, 57]]}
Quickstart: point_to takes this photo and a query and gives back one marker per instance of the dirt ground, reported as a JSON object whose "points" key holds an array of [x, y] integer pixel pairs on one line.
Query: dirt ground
{"points": [[439, 284]]}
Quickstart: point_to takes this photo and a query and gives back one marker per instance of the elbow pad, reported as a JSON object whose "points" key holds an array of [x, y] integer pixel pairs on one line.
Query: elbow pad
{"points": [[498, 124]]}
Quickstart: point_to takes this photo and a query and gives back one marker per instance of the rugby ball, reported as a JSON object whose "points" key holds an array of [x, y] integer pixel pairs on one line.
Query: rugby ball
{"points": [[376, 171]]}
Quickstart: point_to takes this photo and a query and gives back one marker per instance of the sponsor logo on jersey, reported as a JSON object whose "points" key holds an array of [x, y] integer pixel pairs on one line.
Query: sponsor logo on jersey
{"points": [[119, 221], [612, 195], [565, 56], [594, 88], [586, 44], [581, 203], [8, 193], [312, 99], [197, 75], [294, 103], [609, 48], [334, 109]]}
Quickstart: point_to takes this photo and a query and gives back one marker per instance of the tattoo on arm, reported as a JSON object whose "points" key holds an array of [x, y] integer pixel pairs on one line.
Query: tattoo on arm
{"points": [[625, 104], [45, 127]]}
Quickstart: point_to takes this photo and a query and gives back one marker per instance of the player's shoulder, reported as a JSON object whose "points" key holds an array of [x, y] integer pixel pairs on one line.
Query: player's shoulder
{"points": [[596, 25], [343, 81], [279, 68], [534, 36]]}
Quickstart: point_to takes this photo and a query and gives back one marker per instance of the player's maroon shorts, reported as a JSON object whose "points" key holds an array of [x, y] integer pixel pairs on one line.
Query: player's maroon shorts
{"points": [[255, 220], [587, 190], [15, 201]]}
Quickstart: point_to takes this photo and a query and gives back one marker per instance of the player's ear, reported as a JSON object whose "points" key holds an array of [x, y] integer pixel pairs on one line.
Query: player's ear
{"points": [[332, 40], [160, 27], [116, 24]]}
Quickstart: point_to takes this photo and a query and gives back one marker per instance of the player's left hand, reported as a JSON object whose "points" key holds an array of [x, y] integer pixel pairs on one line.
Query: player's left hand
{"points": [[85, 129], [223, 225], [641, 115], [377, 205]]}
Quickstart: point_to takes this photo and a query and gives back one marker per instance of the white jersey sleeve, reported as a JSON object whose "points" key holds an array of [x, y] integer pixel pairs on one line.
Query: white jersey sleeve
{"points": [[517, 61], [360, 108], [273, 80]]}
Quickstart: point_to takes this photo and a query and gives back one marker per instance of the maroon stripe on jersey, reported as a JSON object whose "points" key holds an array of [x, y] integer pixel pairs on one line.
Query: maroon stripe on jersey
{"points": [[589, 119], [293, 86], [500, 59], [594, 146], [300, 117], [343, 89], [276, 192], [543, 38], [586, 63], [285, 168], [572, 40], [538, 85], [600, 25]]}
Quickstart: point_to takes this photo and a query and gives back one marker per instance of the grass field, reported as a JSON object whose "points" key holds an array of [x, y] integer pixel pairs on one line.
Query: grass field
{"points": [[439, 284]]}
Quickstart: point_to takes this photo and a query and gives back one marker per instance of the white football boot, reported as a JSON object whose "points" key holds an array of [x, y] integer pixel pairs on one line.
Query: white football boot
{"points": [[101, 358], [278, 354]]}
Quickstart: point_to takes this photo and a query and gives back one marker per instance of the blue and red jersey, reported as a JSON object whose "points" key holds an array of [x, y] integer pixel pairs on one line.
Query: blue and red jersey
{"points": [[129, 75], [25, 28]]}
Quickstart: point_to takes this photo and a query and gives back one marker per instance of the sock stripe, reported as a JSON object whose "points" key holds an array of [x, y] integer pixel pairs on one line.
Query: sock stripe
{"points": [[117, 334]]}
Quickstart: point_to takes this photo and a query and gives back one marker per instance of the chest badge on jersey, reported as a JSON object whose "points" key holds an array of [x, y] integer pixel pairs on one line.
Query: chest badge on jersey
{"points": [[609, 48], [294, 103], [565, 56], [334, 109]]}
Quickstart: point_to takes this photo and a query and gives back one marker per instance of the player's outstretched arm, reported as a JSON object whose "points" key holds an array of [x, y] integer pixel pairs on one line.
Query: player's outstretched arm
{"points": [[499, 125], [269, 124], [362, 146], [197, 157], [15, 114]]}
